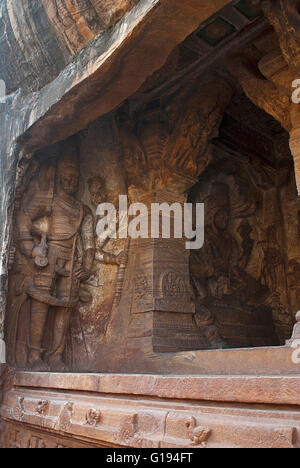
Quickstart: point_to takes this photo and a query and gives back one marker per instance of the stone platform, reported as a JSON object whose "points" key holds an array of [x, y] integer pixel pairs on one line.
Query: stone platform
{"points": [[42, 410]]}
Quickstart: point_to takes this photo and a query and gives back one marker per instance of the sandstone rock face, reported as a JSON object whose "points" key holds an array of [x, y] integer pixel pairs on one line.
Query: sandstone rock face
{"points": [[89, 85], [8, 163], [87, 75], [77, 22], [39, 38]]}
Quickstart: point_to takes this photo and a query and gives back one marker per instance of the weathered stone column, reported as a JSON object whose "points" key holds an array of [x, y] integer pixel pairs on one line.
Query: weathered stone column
{"points": [[285, 18], [269, 83], [295, 140], [295, 149], [161, 305], [165, 150]]}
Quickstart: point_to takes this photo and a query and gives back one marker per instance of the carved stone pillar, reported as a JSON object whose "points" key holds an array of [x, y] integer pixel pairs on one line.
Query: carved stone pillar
{"points": [[284, 17], [295, 149], [165, 150], [162, 308], [268, 81]]}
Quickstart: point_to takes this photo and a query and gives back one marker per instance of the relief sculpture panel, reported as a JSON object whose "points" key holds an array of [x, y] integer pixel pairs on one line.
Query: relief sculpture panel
{"points": [[55, 264], [238, 276], [78, 299]]}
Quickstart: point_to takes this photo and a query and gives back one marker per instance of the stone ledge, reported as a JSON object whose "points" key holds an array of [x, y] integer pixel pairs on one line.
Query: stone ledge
{"points": [[274, 361], [76, 410], [105, 72], [275, 390]]}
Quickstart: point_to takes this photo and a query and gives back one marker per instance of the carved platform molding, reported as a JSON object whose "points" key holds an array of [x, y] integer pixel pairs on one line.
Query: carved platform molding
{"points": [[55, 411]]}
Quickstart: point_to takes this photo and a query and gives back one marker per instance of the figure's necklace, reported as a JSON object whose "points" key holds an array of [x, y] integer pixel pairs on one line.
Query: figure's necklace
{"points": [[66, 200]]}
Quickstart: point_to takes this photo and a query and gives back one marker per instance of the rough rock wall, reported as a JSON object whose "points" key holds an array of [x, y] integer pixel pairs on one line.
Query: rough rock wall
{"points": [[40, 37], [33, 51], [85, 89], [9, 124]]}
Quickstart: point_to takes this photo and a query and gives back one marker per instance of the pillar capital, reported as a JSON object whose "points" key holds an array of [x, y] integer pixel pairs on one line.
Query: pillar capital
{"points": [[166, 146]]}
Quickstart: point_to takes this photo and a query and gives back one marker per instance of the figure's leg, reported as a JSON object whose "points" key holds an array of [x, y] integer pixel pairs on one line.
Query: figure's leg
{"points": [[39, 313], [66, 289], [61, 327], [43, 283]]}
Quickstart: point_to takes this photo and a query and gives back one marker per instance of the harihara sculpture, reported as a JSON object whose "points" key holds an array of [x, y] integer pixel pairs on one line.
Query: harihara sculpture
{"points": [[55, 238], [225, 292], [222, 264]]}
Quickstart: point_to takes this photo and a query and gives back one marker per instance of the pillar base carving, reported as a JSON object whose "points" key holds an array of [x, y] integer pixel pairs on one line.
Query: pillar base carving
{"points": [[156, 312]]}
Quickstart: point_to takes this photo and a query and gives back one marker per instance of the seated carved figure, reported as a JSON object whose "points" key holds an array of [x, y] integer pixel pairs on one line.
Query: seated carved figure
{"points": [[222, 286]]}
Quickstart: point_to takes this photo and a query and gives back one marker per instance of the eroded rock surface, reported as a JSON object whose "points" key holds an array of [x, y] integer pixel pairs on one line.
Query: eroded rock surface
{"points": [[39, 38]]}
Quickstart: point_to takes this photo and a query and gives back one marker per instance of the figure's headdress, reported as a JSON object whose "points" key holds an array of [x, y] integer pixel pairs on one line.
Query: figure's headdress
{"points": [[69, 157]]}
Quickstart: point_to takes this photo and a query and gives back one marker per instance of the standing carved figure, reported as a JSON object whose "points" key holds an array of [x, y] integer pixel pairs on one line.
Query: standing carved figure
{"points": [[51, 259], [56, 243]]}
